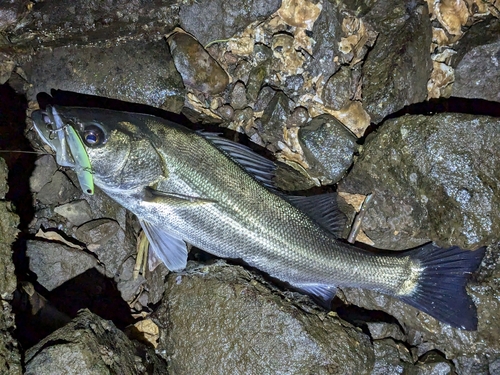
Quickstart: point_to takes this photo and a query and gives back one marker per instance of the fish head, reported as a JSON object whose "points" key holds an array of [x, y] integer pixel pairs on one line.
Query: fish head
{"points": [[119, 148]]}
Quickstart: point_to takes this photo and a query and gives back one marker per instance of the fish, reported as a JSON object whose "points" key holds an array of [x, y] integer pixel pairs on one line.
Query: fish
{"points": [[197, 188]]}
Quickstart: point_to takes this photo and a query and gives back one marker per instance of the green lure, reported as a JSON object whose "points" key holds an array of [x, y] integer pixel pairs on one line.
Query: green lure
{"points": [[82, 163]]}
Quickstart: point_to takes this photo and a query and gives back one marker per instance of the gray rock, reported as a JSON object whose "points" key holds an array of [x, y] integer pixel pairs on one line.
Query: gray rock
{"points": [[54, 263], [328, 147], [238, 96], [58, 190], [266, 94], [433, 363], [255, 80], [474, 77], [391, 358], [11, 12], [45, 167], [327, 32], [274, 118], [397, 69], [91, 345], [137, 72], [198, 69], [4, 174], [432, 178], [216, 20], [10, 359], [77, 212], [339, 89], [380, 331], [82, 21], [299, 117], [221, 320]]}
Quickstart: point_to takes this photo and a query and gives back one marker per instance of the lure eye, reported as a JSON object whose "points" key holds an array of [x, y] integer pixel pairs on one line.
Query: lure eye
{"points": [[93, 136]]}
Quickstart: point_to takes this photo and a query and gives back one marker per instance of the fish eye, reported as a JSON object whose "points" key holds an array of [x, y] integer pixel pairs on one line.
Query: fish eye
{"points": [[93, 135]]}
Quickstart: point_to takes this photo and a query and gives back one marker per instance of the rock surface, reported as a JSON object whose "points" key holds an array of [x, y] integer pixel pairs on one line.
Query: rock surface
{"points": [[219, 319], [91, 345], [10, 358], [432, 178]]}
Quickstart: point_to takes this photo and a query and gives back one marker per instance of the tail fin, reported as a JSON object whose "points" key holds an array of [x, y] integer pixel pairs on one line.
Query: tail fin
{"points": [[441, 285]]}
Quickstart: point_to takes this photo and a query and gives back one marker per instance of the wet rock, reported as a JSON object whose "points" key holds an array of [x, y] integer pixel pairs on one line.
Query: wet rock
{"points": [[54, 263], [91, 345], [137, 72], [432, 178], [265, 96], [226, 112], [397, 69], [238, 96], [11, 12], [81, 21], [221, 320], [198, 69], [433, 363], [7, 65], [385, 330], [77, 212], [339, 89], [327, 32], [216, 20], [391, 358], [59, 190], [255, 80], [328, 147], [477, 52], [274, 119], [10, 359]]}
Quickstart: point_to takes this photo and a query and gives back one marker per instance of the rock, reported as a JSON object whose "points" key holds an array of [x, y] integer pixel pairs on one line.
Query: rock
{"points": [[328, 147], [10, 359], [4, 174], [380, 331], [54, 263], [397, 69], [91, 345], [477, 52], [264, 98], [339, 89], [255, 81], [198, 69], [274, 119], [432, 178], [11, 12], [238, 96], [217, 20], [45, 168], [77, 212], [58, 190], [433, 363], [137, 72], [327, 32], [84, 22], [299, 117], [221, 320], [391, 358]]}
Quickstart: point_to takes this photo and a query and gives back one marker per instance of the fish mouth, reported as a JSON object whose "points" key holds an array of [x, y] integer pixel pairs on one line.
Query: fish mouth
{"points": [[50, 128]]}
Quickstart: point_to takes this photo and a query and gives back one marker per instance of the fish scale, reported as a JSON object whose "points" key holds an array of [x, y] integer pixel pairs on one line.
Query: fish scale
{"points": [[216, 195]]}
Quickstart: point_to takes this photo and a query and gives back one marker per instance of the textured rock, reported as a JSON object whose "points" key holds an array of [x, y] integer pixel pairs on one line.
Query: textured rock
{"points": [[397, 69], [432, 178], [198, 69], [10, 359], [54, 263], [274, 119], [137, 72], [91, 345], [218, 319], [58, 190], [328, 147], [216, 20], [77, 212]]}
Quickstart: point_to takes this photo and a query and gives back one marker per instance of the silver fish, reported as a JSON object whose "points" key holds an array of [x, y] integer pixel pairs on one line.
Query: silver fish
{"points": [[217, 195]]}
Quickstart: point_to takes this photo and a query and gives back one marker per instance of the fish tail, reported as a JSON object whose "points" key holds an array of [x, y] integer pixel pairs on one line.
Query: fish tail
{"points": [[440, 288]]}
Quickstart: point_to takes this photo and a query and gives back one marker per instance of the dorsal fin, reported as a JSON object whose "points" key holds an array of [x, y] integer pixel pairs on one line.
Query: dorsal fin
{"points": [[323, 209], [258, 166]]}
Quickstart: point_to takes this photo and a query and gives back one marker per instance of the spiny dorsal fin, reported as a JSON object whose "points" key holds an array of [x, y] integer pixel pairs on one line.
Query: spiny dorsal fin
{"points": [[258, 166], [323, 209]]}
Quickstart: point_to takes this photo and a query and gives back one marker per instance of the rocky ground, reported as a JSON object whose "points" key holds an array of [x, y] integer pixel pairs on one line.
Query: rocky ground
{"points": [[394, 98]]}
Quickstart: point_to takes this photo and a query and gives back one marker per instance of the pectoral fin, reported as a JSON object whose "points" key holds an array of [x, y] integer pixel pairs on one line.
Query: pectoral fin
{"points": [[174, 199], [171, 250], [322, 293]]}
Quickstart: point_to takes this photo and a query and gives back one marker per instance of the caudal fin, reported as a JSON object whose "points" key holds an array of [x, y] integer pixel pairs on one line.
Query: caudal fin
{"points": [[441, 286]]}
